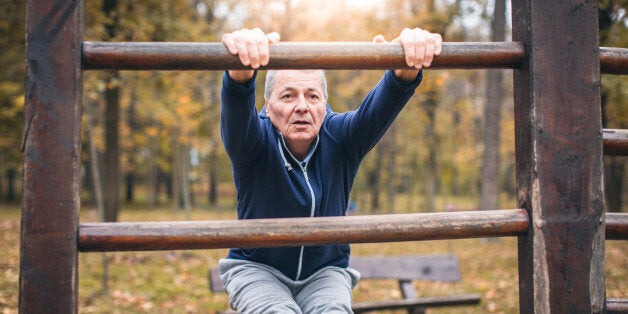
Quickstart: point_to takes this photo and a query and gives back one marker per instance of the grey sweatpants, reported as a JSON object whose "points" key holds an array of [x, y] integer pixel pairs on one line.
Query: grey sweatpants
{"points": [[258, 288]]}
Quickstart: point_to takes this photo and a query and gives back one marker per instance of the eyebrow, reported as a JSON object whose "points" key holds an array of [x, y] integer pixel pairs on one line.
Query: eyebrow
{"points": [[291, 88]]}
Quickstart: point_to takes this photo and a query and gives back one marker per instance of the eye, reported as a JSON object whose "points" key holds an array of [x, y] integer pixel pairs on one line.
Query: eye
{"points": [[287, 96], [314, 97]]}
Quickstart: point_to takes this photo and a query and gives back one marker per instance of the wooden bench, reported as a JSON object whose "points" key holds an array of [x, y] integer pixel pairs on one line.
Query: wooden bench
{"points": [[404, 269]]}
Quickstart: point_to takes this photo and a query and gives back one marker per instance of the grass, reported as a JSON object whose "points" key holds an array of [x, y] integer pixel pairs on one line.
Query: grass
{"points": [[176, 281]]}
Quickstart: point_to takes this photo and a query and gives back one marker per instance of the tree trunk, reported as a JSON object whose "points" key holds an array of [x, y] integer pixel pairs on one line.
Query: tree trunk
{"points": [[614, 175], [375, 177], [97, 186], [213, 177], [153, 174], [112, 121], [430, 104], [11, 173], [184, 158], [129, 180], [492, 117], [613, 166], [176, 165], [112, 144], [392, 167]]}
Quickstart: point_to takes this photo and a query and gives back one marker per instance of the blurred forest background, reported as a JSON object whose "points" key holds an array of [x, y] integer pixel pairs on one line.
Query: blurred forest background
{"points": [[152, 139]]}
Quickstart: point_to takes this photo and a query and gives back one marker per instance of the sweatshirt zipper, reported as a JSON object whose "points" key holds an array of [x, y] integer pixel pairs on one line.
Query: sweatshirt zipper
{"points": [[303, 166], [312, 209]]}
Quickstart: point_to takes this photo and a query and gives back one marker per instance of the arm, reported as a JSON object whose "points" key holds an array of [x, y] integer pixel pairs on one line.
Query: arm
{"points": [[364, 127], [239, 122]]}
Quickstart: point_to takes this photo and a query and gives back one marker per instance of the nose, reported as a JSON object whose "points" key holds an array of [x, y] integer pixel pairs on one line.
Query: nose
{"points": [[301, 105]]}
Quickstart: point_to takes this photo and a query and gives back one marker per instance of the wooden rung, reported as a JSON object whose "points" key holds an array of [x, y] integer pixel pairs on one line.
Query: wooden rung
{"points": [[617, 226], [321, 55], [616, 306], [615, 142], [146, 236], [303, 55], [614, 60]]}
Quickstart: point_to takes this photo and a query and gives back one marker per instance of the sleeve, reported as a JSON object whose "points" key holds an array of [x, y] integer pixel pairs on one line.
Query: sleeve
{"points": [[240, 125], [359, 130]]}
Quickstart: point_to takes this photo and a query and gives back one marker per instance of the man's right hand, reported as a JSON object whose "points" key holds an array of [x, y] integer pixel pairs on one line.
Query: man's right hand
{"points": [[252, 48]]}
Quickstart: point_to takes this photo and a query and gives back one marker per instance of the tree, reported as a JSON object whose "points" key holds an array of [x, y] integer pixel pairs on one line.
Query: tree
{"points": [[11, 96], [492, 117], [612, 22]]}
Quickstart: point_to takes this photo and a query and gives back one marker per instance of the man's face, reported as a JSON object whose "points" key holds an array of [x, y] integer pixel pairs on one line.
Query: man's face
{"points": [[296, 105]]}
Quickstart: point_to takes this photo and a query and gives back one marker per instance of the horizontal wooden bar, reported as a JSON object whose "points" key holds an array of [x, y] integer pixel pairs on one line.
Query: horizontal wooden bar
{"points": [[616, 226], [615, 142], [614, 60], [303, 55], [255, 233], [616, 306]]}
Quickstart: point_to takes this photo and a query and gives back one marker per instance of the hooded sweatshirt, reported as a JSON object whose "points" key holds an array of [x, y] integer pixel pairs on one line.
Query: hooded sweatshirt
{"points": [[271, 183]]}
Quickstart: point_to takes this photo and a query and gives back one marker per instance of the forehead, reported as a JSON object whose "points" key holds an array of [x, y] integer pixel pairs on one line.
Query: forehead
{"points": [[298, 79]]}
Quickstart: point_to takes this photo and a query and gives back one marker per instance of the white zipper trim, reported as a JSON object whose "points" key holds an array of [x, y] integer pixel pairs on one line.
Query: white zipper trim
{"points": [[303, 167]]}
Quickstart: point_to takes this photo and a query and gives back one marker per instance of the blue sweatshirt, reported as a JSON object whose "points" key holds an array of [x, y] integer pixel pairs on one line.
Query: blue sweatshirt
{"points": [[271, 183]]}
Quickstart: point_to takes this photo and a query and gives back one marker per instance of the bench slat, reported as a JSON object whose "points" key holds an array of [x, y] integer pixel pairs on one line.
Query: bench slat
{"points": [[412, 267], [463, 299]]}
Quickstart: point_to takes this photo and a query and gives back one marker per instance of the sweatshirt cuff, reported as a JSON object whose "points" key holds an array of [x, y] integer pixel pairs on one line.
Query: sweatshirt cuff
{"points": [[234, 88], [405, 84]]}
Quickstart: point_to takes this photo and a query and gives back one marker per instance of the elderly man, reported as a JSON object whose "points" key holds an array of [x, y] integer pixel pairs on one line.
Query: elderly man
{"points": [[296, 158]]}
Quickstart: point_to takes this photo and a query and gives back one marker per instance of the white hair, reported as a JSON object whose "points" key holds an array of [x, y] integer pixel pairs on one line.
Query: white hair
{"points": [[270, 82]]}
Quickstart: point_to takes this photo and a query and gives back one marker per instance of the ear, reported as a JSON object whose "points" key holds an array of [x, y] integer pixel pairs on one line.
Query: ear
{"points": [[266, 107]]}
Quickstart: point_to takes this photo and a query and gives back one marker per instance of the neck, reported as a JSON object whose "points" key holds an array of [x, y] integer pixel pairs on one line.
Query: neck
{"points": [[299, 149]]}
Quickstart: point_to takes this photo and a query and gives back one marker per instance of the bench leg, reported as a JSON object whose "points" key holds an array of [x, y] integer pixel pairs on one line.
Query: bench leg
{"points": [[408, 292]]}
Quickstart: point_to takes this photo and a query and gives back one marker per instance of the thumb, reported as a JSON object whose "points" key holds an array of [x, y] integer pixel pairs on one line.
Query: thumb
{"points": [[273, 37], [379, 39]]}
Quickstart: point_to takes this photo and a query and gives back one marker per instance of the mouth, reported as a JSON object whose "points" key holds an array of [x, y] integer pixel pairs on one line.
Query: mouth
{"points": [[301, 122]]}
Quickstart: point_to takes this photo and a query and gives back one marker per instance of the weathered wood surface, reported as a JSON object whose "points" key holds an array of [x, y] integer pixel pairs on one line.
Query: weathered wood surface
{"points": [[327, 55], [615, 142], [303, 55], [408, 267], [559, 157], [51, 151], [141, 236]]}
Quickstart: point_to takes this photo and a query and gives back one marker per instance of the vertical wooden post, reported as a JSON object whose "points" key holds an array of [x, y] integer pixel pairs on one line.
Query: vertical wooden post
{"points": [[51, 151], [559, 157]]}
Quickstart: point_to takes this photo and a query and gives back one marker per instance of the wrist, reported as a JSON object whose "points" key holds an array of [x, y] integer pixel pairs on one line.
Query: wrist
{"points": [[241, 76], [406, 75]]}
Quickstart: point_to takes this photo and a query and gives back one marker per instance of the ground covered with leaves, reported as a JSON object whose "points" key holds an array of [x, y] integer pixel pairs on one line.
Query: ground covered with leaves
{"points": [[176, 281]]}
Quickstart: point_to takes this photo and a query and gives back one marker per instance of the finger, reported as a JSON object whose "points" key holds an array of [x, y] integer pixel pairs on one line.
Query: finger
{"points": [[406, 38], [419, 47], [263, 42], [429, 49], [227, 40], [273, 37], [242, 49], [258, 48], [438, 44], [379, 39], [252, 47]]}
